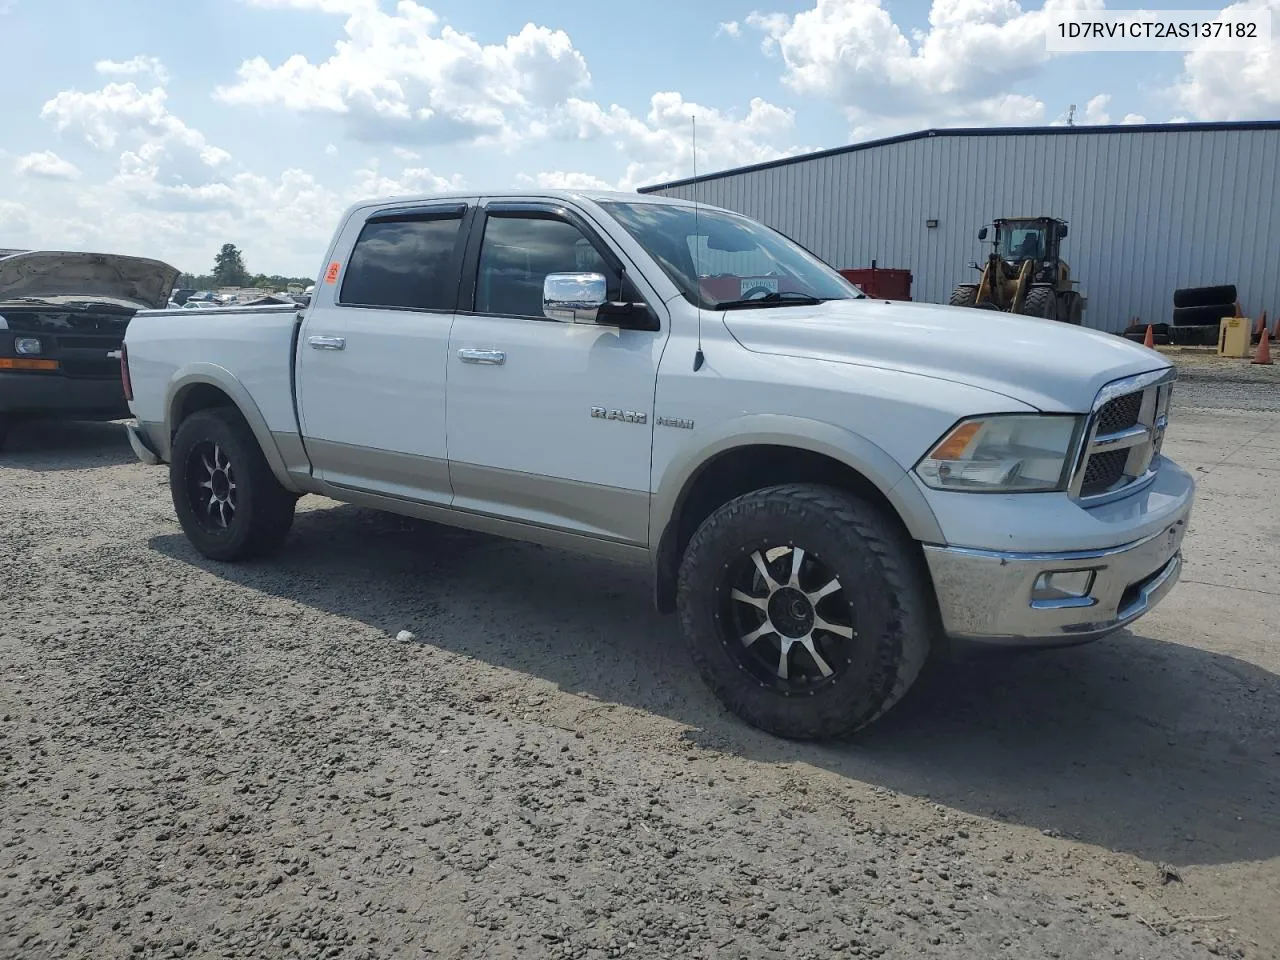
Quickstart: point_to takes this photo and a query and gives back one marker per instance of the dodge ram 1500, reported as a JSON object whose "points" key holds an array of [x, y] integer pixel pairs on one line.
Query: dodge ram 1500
{"points": [[824, 486]]}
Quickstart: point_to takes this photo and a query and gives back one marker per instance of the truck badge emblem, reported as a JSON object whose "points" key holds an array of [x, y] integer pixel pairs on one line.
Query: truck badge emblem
{"points": [[626, 416], [680, 422]]}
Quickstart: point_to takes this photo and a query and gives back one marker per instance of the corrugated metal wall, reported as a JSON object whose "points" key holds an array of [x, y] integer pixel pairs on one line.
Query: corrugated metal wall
{"points": [[1149, 211]]}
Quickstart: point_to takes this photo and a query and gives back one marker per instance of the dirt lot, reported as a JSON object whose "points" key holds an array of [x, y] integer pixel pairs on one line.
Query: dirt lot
{"points": [[198, 760]]}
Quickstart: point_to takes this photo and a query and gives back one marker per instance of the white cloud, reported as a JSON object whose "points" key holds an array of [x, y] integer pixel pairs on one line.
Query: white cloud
{"points": [[659, 146], [730, 28], [122, 112], [133, 67], [1095, 111], [1134, 118], [1243, 85], [330, 149], [406, 77], [404, 154], [564, 180], [47, 165], [971, 61], [370, 182]]}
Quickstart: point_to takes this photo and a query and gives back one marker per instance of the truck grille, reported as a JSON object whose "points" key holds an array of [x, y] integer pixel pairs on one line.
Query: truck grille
{"points": [[1123, 436]]}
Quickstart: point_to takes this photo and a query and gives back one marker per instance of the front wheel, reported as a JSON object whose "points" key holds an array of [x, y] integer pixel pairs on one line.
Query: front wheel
{"points": [[229, 503], [806, 610]]}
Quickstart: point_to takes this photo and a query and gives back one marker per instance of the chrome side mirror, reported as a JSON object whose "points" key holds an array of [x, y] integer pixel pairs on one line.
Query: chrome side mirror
{"points": [[574, 297]]}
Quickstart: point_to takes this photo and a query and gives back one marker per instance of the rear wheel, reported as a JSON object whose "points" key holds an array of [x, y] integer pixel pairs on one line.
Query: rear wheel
{"points": [[805, 609], [229, 503]]}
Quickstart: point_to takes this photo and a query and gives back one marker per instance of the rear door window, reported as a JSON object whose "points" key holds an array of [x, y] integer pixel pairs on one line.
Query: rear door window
{"points": [[405, 262]]}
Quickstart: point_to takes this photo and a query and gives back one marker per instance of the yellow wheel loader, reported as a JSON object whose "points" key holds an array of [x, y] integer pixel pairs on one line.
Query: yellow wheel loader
{"points": [[1024, 272]]}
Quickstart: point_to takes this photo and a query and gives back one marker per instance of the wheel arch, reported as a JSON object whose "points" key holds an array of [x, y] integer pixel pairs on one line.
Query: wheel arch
{"points": [[204, 386], [764, 450]]}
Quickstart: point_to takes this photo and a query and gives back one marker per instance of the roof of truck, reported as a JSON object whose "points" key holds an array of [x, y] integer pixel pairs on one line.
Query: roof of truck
{"points": [[531, 193]]}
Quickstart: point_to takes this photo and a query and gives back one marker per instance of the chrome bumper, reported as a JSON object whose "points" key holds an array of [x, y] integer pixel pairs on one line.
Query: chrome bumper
{"points": [[141, 447], [989, 596]]}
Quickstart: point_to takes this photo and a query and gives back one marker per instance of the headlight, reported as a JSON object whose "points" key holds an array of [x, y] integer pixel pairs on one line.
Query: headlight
{"points": [[27, 346], [1003, 454]]}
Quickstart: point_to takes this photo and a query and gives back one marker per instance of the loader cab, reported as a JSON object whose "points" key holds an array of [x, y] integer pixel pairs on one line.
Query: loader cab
{"points": [[1018, 239]]}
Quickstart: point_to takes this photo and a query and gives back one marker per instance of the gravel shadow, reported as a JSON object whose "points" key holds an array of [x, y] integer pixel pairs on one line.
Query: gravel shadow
{"points": [[54, 446], [1131, 743]]}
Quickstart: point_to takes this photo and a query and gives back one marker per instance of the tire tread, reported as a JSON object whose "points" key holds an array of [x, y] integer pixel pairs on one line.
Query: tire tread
{"points": [[913, 620]]}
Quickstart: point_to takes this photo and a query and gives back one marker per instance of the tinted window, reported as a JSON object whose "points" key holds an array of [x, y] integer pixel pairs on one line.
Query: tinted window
{"points": [[405, 263], [518, 253]]}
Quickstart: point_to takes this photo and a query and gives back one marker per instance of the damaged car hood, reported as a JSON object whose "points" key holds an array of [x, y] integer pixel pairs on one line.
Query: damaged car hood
{"points": [[46, 274]]}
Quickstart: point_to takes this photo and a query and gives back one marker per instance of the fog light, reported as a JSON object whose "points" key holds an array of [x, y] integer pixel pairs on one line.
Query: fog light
{"points": [[1063, 585], [27, 346]]}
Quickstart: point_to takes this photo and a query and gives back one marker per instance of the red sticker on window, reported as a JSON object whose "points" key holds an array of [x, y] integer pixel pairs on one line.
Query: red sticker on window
{"points": [[332, 275]]}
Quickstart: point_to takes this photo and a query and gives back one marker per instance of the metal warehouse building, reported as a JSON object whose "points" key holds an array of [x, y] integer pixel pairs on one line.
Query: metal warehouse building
{"points": [[1150, 208]]}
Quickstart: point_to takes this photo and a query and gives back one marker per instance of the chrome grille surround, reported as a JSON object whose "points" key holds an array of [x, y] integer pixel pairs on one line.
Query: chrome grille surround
{"points": [[1101, 473]]}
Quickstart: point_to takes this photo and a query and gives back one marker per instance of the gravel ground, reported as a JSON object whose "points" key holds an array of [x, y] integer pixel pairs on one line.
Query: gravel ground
{"points": [[245, 761]]}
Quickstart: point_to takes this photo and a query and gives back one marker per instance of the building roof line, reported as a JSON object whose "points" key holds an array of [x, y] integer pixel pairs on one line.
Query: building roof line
{"points": [[1085, 130]]}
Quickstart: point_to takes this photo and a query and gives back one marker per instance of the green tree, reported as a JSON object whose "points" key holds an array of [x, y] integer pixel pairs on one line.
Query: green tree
{"points": [[228, 267]]}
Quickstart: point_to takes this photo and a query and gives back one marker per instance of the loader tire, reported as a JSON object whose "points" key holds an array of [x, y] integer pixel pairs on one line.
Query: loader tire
{"points": [[1040, 302], [1205, 296], [965, 295]]}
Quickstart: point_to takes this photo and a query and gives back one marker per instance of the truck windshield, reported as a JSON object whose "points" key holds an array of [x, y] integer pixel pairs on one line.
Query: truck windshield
{"points": [[718, 258]]}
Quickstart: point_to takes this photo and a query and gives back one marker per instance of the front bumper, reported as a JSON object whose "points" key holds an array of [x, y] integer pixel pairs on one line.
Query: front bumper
{"points": [[54, 396], [989, 595]]}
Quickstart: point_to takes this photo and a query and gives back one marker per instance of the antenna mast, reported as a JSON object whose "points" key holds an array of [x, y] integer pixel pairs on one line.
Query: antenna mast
{"points": [[698, 358]]}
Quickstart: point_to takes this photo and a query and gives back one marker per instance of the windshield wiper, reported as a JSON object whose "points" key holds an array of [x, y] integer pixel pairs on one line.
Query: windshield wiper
{"points": [[775, 299]]}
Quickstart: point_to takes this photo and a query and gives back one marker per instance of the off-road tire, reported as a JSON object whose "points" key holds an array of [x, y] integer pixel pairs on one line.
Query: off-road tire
{"points": [[965, 295], [1040, 302], [1203, 316], [1205, 296], [884, 582], [264, 509]]}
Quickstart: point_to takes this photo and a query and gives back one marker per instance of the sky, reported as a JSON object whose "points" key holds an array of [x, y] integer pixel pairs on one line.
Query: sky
{"points": [[165, 129]]}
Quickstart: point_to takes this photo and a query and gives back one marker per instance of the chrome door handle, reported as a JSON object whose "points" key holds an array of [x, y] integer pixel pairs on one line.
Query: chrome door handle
{"points": [[482, 356], [327, 343]]}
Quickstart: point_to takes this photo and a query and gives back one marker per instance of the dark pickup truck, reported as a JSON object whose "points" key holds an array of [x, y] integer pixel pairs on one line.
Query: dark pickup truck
{"points": [[62, 320]]}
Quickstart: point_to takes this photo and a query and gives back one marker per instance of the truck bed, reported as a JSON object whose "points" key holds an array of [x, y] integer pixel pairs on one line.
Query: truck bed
{"points": [[250, 343]]}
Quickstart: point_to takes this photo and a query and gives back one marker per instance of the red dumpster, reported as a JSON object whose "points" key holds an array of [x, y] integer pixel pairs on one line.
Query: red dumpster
{"points": [[882, 283]]}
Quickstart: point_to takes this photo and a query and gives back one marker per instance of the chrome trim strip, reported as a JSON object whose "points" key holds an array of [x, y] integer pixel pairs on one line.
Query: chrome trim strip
{"points": [[1143, 601], [1118, 441], [1118, 388], [1007, 556], [1066, 603]]}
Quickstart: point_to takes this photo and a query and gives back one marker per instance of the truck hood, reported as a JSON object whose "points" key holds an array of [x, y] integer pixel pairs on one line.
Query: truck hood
{"points": [[1045, 363], [106, 277]]}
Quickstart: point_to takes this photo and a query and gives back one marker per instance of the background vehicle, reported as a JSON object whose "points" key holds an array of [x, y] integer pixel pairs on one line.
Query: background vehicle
{"points": [[822, 485], [62, 317], [1025, 273]]}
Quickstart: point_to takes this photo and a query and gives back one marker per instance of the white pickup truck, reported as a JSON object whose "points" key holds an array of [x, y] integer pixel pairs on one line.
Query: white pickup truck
{"points": [[824, 486]]}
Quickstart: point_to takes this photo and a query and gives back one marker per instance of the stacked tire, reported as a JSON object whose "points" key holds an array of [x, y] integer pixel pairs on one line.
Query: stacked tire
{"points": [[1197, 312]]}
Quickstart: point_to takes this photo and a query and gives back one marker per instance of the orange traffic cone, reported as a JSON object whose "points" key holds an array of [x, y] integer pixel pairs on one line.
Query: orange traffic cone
{"points": [[1150, 339], [1263, 356], [1238, 313]]}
